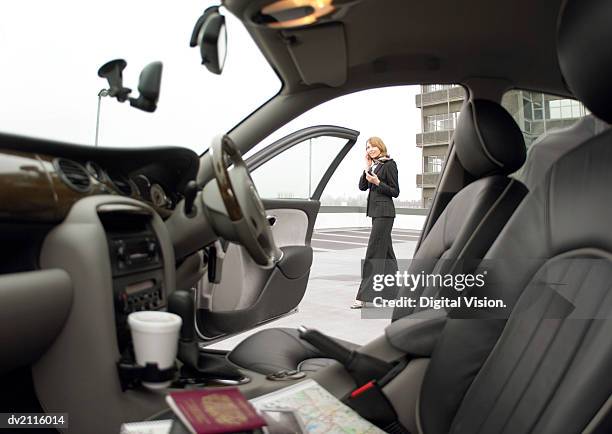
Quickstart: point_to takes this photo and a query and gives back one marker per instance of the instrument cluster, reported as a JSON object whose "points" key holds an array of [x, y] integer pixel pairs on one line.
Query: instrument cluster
{"points": [[139, 186]]}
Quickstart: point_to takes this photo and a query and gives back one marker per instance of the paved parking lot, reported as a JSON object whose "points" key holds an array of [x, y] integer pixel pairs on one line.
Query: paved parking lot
{"points": [[343, 239], [333, 283]]}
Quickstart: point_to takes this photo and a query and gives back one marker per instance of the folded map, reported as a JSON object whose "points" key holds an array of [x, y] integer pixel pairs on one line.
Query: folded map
{"points": [[320, 411]]}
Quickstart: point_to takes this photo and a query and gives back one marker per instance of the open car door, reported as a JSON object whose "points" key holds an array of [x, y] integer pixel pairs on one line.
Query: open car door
{"points": [[290, 176]]}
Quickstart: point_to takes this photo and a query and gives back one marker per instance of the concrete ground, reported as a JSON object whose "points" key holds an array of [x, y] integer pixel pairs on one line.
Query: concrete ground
{"points": [[333, 283]]}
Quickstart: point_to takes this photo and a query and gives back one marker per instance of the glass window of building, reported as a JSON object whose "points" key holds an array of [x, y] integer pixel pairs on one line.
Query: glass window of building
{"points": [[441, 122], [436, 87], [538, 110], [433, 164], [538, 113], [566, 109]]}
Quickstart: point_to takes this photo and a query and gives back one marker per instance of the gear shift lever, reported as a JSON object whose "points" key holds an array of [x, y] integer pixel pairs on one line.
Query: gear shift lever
{"points": [[181, 303], [196, 363]]}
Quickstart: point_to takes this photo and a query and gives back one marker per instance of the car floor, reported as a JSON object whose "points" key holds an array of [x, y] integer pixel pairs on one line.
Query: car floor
{"points": [[334, 280]]}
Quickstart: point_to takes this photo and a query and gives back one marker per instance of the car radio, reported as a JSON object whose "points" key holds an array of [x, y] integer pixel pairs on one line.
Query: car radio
{"points": [[133, 254], [137, 267], [136, 296]]}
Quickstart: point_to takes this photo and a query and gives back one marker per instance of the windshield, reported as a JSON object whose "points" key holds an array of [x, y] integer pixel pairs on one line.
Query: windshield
{"points": [[51, 52]]}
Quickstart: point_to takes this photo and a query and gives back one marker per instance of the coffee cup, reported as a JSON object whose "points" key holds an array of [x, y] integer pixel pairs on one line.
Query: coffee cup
{"points": [[155, 337]]}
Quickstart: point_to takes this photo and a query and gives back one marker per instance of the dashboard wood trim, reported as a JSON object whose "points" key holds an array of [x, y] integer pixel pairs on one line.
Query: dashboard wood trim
{"points": [[26, 193], [31, 190]]}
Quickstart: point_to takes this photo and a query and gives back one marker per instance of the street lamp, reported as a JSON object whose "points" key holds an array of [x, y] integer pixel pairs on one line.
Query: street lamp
{"points": [[103, 92]]}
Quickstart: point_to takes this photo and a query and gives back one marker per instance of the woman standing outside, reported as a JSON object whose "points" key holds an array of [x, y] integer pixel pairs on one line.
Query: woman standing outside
{"points": [[380, 178]]}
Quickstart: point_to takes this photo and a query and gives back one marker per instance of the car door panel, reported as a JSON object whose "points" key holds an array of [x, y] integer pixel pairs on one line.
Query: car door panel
{"points": [[295, 220], [237, 303], [247, 294], [289, 226], [284, 288]]}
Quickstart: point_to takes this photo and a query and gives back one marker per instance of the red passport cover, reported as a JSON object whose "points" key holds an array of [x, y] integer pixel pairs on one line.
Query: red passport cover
{"points": [[215, 411]]}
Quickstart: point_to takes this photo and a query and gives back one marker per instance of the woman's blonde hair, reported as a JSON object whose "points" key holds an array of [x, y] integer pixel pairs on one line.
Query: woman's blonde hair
{"points": [[377, 142]]}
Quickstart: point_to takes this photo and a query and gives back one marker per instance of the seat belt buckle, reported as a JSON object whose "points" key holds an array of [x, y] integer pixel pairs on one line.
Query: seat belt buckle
{"points": [[372, 404], [355, 393]]}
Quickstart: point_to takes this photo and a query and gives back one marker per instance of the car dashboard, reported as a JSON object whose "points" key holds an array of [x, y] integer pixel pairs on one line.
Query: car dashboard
{"points": [[85, 242], [41, 180]]}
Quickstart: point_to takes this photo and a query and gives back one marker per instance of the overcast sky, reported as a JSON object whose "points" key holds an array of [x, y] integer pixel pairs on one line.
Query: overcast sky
{"points": [[51, 50]]}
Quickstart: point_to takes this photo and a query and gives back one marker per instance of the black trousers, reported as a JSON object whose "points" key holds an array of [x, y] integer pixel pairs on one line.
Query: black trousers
{"points": [[379, 260]]}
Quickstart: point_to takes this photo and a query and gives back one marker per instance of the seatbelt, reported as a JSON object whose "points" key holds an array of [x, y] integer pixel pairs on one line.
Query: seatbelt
{"points": [[372, 404], [370, 374]]}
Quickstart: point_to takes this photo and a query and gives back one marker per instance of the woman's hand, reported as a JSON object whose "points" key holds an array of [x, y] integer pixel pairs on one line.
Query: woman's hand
{"points": [[373, 178], [368, 161]]}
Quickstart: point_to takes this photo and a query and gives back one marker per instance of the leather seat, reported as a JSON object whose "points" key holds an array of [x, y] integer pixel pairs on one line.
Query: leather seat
{"points": [[295, 353], [489, 146], [542, 364], [552, 146]]}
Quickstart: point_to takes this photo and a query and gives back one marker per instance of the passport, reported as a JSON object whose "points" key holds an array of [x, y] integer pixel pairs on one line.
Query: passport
{"points": [[215, 411]]}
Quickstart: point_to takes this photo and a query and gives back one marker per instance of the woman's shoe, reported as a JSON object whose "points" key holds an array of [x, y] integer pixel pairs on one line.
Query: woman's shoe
{"points": [[357, 304]]}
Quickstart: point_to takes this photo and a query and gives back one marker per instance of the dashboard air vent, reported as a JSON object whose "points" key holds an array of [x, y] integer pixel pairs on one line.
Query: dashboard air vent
{"points": [[73, 174], [121, 183]]}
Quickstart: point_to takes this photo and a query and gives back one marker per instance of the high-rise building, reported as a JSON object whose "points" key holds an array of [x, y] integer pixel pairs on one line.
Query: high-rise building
{"points": [[535, 113], [440, 106]]}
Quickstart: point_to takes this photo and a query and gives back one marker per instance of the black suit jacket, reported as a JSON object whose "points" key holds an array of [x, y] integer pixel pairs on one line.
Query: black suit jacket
{"points": [[380, 202]]}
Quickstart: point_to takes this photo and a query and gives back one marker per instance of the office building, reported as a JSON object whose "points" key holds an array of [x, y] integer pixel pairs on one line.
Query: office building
{"points": [[535, 113]]}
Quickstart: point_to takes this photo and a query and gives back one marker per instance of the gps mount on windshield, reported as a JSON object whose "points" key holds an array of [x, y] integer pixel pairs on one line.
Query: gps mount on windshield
{"points": [[149, 84]]}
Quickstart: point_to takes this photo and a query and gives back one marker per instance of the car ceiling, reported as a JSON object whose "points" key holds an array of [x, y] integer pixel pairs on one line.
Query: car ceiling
{"points": [[397, 42], [446, 41]]}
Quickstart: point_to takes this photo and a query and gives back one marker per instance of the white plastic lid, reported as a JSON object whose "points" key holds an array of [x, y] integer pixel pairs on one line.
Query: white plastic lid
{"points": [[151, 321]]}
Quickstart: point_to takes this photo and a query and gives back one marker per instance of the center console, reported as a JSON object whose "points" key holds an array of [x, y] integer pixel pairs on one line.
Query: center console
{"points": [[120, 258], [136, 266], [138, 284]]}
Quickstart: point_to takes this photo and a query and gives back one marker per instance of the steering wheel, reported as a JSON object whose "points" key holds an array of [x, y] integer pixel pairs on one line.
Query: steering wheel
{"points": [[243, 204]]}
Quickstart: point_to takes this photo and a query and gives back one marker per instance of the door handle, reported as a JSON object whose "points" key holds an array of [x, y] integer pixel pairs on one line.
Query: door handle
{"points": [[271, 220]]}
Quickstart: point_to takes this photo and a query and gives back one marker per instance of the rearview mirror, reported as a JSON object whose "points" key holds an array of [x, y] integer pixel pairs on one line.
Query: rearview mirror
{"points": [[209, 33], [149, 85]]}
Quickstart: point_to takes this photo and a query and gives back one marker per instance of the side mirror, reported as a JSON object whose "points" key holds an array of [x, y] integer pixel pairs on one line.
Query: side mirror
{"points": [[149, 85], [113, 72], [209, 33]]}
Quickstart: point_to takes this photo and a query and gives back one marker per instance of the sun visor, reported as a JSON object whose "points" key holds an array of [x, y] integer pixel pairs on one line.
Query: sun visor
{"points": [[319, 53]]}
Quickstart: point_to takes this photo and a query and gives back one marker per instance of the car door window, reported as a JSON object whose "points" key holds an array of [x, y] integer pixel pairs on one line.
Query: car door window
{"points": [[296, 172]]}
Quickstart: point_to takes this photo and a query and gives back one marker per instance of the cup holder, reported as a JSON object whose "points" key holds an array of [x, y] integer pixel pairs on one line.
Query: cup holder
{"points": [[132, 376], [190, 379]]}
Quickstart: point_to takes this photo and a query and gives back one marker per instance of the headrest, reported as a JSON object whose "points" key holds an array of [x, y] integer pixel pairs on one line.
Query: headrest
{"points": [[585, 58], [487, 139]]}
